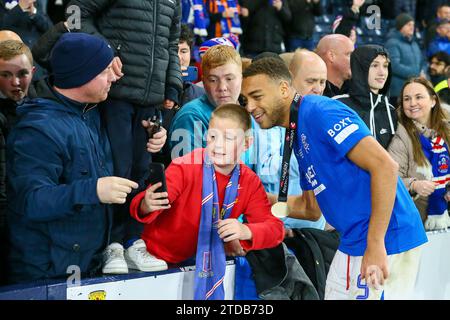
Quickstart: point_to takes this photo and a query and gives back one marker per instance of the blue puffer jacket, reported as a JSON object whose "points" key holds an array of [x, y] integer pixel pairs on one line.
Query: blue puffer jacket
{"points": [[406, 60], [56, 153]]}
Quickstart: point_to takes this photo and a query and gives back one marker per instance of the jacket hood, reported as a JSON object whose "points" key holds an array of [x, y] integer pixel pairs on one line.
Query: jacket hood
{"points": [[360, 62], [364, 99], [43, 97]]}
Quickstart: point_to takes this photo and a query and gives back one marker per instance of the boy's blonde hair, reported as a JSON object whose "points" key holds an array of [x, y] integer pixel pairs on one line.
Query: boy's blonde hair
{"points": [[220, 55], [234, 112], [10, 49]]}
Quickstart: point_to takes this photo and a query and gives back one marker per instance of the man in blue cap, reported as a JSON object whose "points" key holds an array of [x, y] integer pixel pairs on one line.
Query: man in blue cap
{"points": [[60, 183]]}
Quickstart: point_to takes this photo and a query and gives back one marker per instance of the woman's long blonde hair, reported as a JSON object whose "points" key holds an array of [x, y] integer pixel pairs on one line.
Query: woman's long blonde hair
{"points": [[438, 120]]}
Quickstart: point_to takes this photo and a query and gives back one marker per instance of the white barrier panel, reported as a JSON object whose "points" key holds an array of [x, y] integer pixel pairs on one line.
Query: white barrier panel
{"points": [[172, 286], [433, 279]]}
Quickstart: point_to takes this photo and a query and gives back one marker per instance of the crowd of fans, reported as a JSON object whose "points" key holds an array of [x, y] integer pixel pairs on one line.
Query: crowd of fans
{"points": [[84, 111]]}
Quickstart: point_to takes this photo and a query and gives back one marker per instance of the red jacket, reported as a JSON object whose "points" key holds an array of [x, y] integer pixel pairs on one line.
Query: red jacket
{"points": [[172, 234]]}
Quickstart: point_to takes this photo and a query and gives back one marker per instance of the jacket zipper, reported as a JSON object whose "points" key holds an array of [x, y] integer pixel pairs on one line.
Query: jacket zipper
{"points": [[156, 5]]}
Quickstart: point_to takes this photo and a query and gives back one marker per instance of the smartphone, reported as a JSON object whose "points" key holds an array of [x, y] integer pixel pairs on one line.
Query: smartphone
{"points": [[192, 74], [157, 174], [156, 119]]}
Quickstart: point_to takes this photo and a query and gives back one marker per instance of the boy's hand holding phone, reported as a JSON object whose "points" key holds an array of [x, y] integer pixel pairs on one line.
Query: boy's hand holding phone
{"points": [[154, 201]]}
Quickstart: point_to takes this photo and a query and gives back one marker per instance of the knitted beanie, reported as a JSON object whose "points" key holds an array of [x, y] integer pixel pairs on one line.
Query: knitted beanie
{"points": [[77, 58], [402, 19]]}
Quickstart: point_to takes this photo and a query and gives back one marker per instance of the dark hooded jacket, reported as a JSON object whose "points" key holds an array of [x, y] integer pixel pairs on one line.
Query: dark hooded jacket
{"points": [[57, 151], [374, 109]]}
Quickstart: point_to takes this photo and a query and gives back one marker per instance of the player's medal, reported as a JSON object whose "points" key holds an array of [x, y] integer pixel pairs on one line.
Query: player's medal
{"points": [[280, 209]]}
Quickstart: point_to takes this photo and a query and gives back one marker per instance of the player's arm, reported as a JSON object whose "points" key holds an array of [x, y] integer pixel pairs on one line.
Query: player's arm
{"points": [[369, 155], [304, 206]]}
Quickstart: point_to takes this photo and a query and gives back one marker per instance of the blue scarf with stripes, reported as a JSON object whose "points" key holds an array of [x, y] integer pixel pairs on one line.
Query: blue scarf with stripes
{"points": [[436, 151], [200, 20], [210, 261]]}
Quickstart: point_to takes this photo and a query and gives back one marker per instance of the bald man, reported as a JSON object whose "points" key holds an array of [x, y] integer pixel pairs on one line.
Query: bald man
{"points": [[335, 50], [9, 35], [309, 72], [287, 58]]}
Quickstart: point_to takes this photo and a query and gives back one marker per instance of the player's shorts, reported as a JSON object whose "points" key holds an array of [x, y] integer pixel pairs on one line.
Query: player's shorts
{"points": [[344, 278]]}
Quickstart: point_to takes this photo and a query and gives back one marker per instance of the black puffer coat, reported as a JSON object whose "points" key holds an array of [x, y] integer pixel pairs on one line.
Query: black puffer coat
{"points": [[144, 34]]}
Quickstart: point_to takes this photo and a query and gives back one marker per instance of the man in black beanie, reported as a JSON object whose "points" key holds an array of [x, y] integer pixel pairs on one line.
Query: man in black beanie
{"points": [[407, 59], [60, 169], [144, 36], [402, 19]]}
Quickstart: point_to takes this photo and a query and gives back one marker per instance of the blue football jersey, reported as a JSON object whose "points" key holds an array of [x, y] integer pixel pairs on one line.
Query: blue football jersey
{"points": [[326, 131]]}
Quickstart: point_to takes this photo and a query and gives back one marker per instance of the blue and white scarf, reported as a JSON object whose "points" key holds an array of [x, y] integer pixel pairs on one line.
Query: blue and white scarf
{"points": [[200, 21], [229, 25], [210, 261], [436, 151]]}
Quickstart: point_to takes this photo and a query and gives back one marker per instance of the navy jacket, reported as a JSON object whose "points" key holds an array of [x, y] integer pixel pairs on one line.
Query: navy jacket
{"points": [[406, 60], [55, 155]]}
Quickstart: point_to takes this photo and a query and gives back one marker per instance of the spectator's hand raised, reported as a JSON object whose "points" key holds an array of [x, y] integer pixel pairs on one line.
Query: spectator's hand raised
{"points": [[158, 140], [277, 4], [117, 67], [154, 201], [27, 5], [358, 3], [114, 189]]}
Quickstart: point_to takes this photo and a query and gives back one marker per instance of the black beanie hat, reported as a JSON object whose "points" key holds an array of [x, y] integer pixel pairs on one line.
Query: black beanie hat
{"points": [[77, 58], [402, 19]]}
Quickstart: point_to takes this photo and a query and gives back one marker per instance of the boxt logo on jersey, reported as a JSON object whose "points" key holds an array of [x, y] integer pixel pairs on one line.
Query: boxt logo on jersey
{"points": [[342, 130]]}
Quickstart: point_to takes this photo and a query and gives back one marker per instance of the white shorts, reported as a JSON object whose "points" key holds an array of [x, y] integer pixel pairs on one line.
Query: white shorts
{"points": [[344, 277]]}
